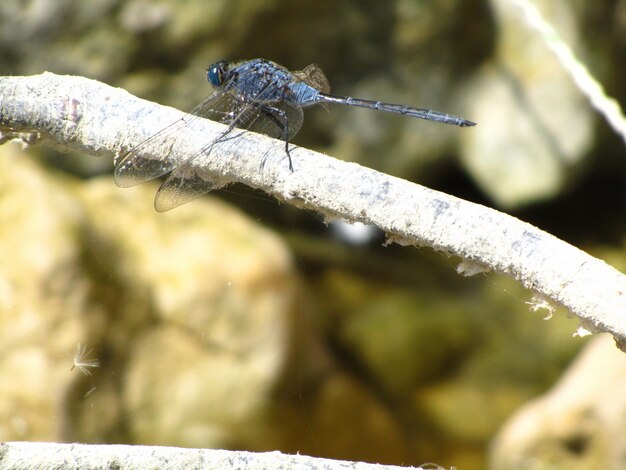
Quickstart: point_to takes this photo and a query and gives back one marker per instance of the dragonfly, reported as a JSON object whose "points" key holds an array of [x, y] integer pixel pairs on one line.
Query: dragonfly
{"points": [[255, 95]]}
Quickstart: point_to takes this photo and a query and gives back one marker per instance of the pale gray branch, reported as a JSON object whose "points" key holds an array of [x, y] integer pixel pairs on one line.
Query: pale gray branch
{"points": [[52, 456], [86, 115]]}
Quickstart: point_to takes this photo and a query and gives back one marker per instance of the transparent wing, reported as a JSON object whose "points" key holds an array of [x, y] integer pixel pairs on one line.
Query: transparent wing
{"points": [[184, 185], [188, 181], [314, 76], [139, 164]]}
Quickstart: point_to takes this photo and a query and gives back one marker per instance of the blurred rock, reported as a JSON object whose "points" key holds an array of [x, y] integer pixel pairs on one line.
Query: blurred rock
{"points": [[535, 125], [188, 314], [579, 424], [215, 290], [339, 417], [44, 299], [450, 369]]}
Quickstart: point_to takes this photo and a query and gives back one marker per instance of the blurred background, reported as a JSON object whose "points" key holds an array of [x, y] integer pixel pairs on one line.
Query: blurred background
{"points": [[236, 322]]}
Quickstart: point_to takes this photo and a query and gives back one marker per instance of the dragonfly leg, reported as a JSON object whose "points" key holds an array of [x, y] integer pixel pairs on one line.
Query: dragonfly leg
{"points": [[281, 120], [288, 155]]}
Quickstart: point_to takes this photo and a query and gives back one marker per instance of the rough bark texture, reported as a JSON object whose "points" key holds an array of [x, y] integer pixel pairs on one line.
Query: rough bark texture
{"points": [[49, 456]]}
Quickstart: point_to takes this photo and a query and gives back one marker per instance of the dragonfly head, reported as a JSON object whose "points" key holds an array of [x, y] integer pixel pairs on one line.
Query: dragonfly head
{"points": [[217, 73]]}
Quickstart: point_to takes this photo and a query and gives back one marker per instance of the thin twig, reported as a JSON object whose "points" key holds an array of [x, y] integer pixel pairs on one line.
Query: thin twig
{"points": [[592, 88]]}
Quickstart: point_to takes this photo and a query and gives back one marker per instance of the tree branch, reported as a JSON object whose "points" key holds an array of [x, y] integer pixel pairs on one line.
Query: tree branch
{"points": [[85, 115], [49, 455]]}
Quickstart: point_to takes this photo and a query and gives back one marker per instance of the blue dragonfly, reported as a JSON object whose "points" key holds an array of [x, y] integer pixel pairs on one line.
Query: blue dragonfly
{"points": [[256, 95]]}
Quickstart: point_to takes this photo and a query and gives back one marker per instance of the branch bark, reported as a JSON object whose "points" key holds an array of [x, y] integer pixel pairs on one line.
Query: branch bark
{"points": [[85, 115], [49, 456]]}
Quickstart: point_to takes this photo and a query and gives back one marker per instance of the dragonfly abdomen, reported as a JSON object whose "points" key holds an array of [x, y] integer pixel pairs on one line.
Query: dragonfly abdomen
{"points": [[421, 113]]}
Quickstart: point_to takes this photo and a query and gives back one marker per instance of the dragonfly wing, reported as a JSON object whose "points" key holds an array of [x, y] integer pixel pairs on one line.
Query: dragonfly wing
{"points": [[188, 181], [185, 184], [218, 107], [141, 163], [314, 76]]}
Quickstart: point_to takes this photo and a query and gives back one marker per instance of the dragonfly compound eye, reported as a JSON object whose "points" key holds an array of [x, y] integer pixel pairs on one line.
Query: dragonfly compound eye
{"points": [[216, 73]]}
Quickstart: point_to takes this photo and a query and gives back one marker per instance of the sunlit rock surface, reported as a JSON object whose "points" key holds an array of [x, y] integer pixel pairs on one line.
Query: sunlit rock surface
{"points": [[535, 124], [578, 424]]}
